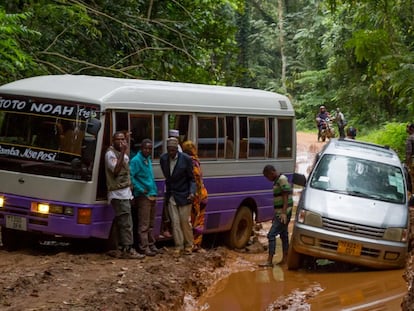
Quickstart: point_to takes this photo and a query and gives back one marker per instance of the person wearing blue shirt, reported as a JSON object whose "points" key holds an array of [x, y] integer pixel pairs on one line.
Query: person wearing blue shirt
{"points": [[145, 193]]}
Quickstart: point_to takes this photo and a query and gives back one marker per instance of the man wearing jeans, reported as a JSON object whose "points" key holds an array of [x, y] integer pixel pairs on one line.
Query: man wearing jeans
{"points": [[283, 203], [145, 193], [118, 182]]}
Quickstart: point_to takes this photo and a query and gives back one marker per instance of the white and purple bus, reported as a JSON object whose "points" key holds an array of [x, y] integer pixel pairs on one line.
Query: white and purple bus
{"points": [[54, 131]]}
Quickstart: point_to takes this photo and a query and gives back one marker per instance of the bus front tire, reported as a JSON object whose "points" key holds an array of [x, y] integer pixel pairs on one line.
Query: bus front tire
{"points": [[241, 230], [15, 239]]}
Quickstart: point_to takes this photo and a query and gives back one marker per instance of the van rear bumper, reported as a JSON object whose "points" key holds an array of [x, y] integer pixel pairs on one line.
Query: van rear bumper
{"points": [[373, 253]]}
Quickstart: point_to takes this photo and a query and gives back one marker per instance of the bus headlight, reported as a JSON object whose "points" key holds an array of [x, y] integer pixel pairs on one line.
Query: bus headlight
{"points": [[42, 208], [56, 209], [1, 201], [46, 208], [68, 211]]}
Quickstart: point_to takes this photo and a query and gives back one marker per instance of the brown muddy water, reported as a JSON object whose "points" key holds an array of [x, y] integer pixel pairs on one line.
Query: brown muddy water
{"points": [[280, 289]]}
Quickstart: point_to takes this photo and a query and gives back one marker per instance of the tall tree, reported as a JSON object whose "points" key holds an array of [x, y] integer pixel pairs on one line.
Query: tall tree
{"points": [[14, 58], [190, 40]]}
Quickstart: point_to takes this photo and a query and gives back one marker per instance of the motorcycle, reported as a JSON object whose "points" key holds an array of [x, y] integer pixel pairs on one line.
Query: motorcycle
{"points": [[326, 129]]}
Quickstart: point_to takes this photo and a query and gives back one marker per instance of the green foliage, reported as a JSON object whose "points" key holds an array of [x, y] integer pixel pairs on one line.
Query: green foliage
{"points": [[174, 40], [392, 134], [356, 55], [369, 45], [12, 55]]}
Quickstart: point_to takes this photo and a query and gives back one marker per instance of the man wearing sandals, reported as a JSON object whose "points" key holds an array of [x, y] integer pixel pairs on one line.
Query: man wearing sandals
{"points": [[283, 203]]}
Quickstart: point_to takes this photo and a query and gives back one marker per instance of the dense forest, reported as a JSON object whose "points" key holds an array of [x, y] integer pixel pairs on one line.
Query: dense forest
{"points": [[357, 55]]}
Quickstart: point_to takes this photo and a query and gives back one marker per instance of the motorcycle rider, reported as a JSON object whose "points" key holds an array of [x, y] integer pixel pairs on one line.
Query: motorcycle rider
{"points": [[321, 119]]}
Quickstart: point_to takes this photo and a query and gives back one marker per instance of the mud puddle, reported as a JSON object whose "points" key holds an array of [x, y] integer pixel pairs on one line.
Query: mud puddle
{"points": [[313, 289]]}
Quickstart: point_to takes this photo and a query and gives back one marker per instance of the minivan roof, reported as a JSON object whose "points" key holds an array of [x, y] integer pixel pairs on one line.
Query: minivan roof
{"points": [[363, 150]]}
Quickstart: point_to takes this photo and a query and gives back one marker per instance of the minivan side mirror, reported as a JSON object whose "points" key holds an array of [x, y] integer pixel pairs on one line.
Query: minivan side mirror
{"points": [[299, 179]]}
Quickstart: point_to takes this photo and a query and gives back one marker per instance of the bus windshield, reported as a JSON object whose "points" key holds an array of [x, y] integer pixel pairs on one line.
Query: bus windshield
{"points": [[45, 139]]}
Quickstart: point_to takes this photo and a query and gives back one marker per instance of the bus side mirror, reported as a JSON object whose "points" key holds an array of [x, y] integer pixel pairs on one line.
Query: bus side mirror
{"points": [[93, 126]]}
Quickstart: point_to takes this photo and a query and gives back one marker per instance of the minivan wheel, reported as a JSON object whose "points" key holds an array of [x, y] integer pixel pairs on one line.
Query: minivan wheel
{"points": [[294, 260], [241, 230]]}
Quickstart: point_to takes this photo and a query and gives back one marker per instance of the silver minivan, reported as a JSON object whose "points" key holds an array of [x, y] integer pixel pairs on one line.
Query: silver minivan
{"points": [[353, 208]]}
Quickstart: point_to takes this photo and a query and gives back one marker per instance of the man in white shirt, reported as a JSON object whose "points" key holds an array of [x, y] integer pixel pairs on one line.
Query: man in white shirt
{"points": [[118, 182]]}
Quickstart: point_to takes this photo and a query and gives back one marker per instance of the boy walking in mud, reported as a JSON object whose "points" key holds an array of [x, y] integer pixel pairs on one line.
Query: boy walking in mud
{"points": [[283, 203]]}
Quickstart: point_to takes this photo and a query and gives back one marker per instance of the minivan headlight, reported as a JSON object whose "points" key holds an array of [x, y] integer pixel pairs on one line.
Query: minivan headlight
{"points": [[396, 234], [310, 218]]}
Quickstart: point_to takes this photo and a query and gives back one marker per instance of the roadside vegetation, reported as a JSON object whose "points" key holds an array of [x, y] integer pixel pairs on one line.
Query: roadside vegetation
{"points": [[356, 55]]}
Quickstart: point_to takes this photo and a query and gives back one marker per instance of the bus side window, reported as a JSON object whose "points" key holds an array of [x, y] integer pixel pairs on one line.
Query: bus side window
{"points": [[180, 122], [243, 138], [207, 137], [230, 137], [257, 137], [243, 148], [284, 138], [146, 126]]}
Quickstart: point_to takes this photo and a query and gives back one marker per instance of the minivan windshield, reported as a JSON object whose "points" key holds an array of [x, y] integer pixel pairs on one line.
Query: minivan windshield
{"points": [[359, 177]]}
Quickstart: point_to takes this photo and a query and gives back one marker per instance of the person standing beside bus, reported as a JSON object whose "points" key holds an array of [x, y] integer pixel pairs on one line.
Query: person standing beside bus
{"points": [[198, 208], [118, 182], [177, 168], [176, 134], [283, 204], [145, 193]]}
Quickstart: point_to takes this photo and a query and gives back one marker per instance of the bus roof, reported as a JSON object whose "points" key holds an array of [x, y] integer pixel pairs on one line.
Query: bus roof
{"points": [[117, 93]]}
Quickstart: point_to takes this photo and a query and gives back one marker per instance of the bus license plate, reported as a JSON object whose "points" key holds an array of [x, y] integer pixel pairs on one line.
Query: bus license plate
{"points": [[348, 248], [16, 222]]}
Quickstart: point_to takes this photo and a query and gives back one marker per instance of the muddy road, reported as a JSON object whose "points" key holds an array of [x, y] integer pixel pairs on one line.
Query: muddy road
{"points": [[68, 277]]}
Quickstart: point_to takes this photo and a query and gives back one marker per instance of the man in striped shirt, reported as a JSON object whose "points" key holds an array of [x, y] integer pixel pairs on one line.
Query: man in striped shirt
{"points": [[283, 203]]}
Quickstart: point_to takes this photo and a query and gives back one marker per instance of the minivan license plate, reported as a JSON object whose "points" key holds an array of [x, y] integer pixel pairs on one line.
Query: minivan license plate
{"points": [[16, 222], [349, 248]]}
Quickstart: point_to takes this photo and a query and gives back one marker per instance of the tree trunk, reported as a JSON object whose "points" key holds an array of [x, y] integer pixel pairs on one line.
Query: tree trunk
{"points": [[282, 43]]}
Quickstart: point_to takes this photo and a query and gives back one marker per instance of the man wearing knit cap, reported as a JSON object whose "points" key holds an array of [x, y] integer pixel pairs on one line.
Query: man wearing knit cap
{"points": [[177, 168], [176, 134]]}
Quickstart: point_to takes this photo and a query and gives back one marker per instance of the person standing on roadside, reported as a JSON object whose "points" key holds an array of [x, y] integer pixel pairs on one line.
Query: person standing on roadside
{"points": [[283, 204], [166, 220], [409, 152], [198, 209], [177, 168], [145, 194], [340, 120], [118, 182], [351, 132]]}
